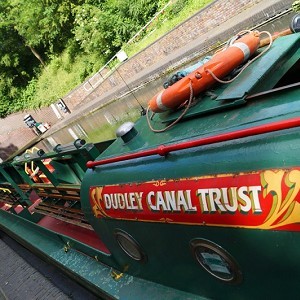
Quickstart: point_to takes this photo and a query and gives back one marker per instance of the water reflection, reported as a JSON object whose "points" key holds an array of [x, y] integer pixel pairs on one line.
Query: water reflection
{"points": [[101, 124]]}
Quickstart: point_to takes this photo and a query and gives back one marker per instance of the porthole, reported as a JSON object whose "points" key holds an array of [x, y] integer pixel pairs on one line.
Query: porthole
{"points": [[130, 246], [216, 261]]}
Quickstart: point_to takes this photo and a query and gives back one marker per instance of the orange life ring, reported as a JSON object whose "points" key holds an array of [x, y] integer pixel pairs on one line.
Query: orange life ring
{"points": [[221, 64]]}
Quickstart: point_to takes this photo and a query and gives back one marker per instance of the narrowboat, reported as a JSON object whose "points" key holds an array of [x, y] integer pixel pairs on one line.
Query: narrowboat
{"points": [[199, 199]]}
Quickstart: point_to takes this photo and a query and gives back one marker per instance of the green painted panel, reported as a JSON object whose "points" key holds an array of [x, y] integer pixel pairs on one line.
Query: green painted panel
{"points": [[80, 264]]}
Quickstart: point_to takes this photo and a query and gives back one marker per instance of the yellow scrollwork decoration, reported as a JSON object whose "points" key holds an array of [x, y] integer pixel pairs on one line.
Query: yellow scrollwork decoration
{"points": [[160, 183], [96, 197], [284, 210]]}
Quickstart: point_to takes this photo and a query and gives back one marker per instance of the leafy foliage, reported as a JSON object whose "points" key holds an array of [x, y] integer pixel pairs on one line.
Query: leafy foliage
{"points": [[14, 55], [106, 27], [296, 6], [50, 46]]}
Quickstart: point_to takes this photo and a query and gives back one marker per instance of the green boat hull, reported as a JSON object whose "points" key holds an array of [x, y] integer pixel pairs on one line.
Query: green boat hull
{"points": [[208, 209]]}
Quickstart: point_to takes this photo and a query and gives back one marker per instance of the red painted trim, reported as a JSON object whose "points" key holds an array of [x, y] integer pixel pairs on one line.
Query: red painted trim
{"points": [[164, 150], [78, 233]]}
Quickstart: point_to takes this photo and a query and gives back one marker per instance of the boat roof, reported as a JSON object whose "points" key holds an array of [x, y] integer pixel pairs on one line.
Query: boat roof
{"points": [[267, 90]]}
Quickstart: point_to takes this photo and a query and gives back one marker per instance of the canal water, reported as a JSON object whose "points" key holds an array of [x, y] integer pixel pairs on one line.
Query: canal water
{"points": [[101, 124]]}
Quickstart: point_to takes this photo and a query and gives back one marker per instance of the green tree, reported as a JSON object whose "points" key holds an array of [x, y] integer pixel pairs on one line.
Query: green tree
{"points": [[106, 26], [34, 33], [44, 25], [15, 58], [127, 19], [296, 6]]}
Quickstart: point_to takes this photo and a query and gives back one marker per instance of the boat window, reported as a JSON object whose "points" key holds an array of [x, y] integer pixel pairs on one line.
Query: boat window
{"points": [[216, 261], [130, 246]]}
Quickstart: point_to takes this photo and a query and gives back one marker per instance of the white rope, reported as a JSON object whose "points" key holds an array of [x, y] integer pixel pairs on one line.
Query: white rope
{"points": [[248, 63], [34, 172]]}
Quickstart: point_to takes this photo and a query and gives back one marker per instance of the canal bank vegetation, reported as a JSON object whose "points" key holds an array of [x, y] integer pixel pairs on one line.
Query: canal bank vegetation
{"points": [[49, 47], [296, 6]]}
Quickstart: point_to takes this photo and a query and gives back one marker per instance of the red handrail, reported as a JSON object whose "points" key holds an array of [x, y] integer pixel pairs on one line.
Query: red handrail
{"points": [[164, 150]]}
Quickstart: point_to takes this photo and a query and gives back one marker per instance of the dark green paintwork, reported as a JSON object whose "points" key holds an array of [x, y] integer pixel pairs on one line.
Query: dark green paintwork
{"points": [[92, 268], [69, 164], [80, 263], [6, 177], [269, 260], [265, 257]]}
